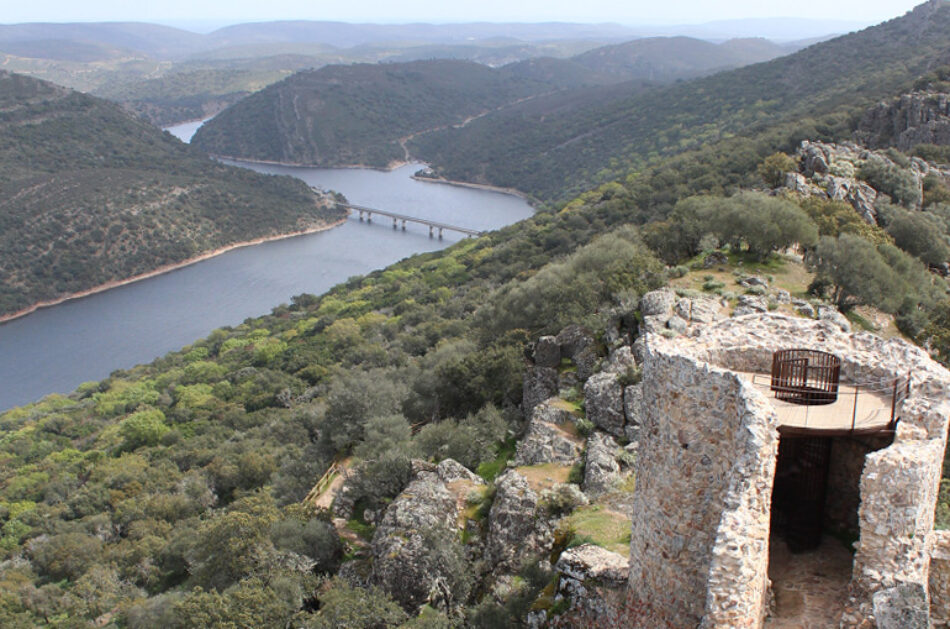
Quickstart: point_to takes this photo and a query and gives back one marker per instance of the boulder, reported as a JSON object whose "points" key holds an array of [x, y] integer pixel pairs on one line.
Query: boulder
{"points": [[753, 280], [827, 313], [751, 304], [804, 308], [677, 324], [516, 527], [658, 303], [601, 469], [782, 296], [545, 442], [633, 405], [586, 362], [573, 339], [403, 564], [563, 498], [552, 411], [588, 563], [603, 398], [547, 352], [815, 159], [540, 383], [715, 258], [620, 360], [451, 470]]}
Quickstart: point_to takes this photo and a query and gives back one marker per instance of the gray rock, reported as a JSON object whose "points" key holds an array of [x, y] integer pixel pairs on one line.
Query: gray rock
{"points": [[783, 296], [901, 607], [677, 324], [573, 339], [753, 280], [552, 411], [540, 383], [815, 159], [547, 352], [804, 308], [451, 470], [827, 313], [586, 362], [704, 310], [654, 323], [658, 303], [601, 469], [603, 398], [639, 348], [750, 304], [565, 497], [593, 564], [715, 258], [516, 527], [544, 442], [620, 360], [402, 562], [633, 404]]}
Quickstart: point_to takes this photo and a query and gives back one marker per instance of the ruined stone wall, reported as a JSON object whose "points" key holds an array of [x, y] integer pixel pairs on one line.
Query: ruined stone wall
{"points": [[940, 580], [700, 515], [844, 481]]}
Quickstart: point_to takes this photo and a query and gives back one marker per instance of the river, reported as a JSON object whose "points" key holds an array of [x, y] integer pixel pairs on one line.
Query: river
{"points": [[55, 349]]}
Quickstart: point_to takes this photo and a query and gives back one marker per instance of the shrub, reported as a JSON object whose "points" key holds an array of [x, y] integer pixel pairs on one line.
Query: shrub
{"points": [[144, 428]]}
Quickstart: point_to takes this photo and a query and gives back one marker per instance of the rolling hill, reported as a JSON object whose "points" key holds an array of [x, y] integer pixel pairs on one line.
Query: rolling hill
{"points": [[90, 195], [556, 146]]}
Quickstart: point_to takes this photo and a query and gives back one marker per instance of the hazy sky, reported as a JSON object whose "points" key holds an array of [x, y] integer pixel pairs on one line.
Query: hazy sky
{"points": [[623, 11]]}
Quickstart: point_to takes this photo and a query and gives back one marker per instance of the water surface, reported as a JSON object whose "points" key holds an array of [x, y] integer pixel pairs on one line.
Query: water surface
{"points": [[55, 349]]}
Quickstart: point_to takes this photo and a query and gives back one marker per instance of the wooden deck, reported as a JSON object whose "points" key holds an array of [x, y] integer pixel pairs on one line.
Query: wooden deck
{"points": [[857, 410]]}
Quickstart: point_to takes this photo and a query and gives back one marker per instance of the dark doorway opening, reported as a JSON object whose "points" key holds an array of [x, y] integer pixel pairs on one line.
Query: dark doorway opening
{"points": [[800, 491]]}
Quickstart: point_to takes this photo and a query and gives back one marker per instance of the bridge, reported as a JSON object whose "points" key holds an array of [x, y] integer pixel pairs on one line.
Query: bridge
{"points": [[434, 226]]}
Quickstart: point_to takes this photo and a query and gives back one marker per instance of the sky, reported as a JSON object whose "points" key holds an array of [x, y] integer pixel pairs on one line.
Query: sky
{"points": [[632, 12]]}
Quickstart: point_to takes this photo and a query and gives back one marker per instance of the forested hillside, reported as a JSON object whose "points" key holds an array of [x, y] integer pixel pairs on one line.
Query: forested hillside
{"points": [[283, 472], [90, 195], [363, 114], [346, 115], [555, 147]]}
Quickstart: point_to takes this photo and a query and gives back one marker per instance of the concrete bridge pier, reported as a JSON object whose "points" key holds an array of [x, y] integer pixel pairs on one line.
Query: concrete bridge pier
{"points": [[404, 225], [440, 233], [430, 231], [394, 223]]}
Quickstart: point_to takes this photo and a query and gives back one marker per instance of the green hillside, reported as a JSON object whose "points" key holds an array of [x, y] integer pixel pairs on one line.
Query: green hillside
{"points": [[558, 146], [90, 195], [345, 115]]}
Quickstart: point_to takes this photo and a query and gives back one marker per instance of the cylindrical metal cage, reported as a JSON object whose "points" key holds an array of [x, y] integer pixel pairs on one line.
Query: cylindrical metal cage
{"points": [[805, 376]]}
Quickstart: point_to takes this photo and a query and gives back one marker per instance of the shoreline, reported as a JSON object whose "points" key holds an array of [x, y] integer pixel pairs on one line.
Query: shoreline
{"points": [[167, 268], [479, 186], [385, 169], [388, 169]]}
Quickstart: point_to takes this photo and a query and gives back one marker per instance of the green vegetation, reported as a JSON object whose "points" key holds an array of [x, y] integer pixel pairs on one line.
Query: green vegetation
{"points": [[557, 146], [170, 494], [89, 195]]}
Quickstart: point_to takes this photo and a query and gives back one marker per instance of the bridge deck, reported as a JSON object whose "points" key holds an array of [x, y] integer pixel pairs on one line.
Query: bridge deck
{"points": [[412, 219]]}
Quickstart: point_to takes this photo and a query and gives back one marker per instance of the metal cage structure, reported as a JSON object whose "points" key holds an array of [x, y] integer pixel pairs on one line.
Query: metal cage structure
{"points": [[805, 376]]}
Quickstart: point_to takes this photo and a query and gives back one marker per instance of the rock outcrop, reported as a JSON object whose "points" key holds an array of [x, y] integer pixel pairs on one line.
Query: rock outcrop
{"points": [[403, 562], [546, 442], [601, 469], [603, 398], [912, 119], [517, 528]]}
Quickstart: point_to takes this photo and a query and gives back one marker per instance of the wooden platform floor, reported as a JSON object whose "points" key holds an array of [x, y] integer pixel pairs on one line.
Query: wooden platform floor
{"points": [[872, 411]]}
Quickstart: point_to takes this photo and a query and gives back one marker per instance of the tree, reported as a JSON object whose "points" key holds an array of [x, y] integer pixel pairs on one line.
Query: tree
{"points": [[343, 606], [765, 223], [919, 235], [774, 167], [144, 428], [858, 273]]}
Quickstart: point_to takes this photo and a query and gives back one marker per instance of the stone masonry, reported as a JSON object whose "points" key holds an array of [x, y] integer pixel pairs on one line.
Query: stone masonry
{"points": [[708, 448]]}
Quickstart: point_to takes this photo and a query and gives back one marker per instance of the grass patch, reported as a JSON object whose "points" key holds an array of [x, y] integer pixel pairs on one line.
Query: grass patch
{"points": [[363, 530], [600, 526], [545, 476], [860, 322], [573, 407], [489, 470]]}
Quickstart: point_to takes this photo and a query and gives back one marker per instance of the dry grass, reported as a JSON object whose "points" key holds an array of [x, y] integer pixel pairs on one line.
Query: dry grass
{"points": [[544, 476]]}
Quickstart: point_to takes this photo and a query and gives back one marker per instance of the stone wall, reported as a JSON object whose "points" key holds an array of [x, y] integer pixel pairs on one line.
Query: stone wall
{"points": [[700, 535], [699, 539], [844, 480], [940, 580]]}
